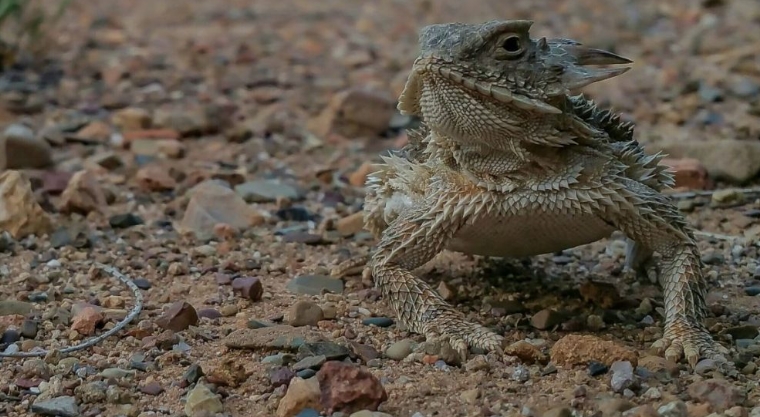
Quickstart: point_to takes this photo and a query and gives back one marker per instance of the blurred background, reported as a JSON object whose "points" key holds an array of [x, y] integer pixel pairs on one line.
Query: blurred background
{"points": [[115, 114]]}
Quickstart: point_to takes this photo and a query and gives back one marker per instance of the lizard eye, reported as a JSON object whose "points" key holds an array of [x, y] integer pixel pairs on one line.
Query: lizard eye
{"points": [[512, 45]]}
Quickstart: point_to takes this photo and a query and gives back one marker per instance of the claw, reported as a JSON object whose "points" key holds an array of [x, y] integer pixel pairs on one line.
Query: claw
{"points": [[692, 344]]}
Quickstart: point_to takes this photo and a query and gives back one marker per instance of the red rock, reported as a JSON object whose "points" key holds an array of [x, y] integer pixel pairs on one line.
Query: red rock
{"points": [[689, 173], [83, 195], [349, 388], [86, 320], [155, 178], [150, 134], [249, 288], [95, 131], [178, 317]]}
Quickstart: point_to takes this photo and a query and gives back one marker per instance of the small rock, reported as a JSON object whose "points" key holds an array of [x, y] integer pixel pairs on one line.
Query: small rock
{"points": [[378, 321], [359, 177], [228, 373], [15, 307], [301, 394], [743, 332], [721, 394], [315, 285], [546, 319], [521, 373], [21, 149], [192, 374], [29, 329], [267, 191], [210, 204], [399, 350], [622, 376], [733, 160], [188, 122], [151, 388], [279, 337], [526, 352], [281, 376], [309, 362], [83, 195], [470, 396], [201, 401], [86, 320], [65, 406], [597, 368], [124, 221], [658, 364], [157, 148], [131, 118], [250, 288], [330, 350], [575, 349], [95, 131], [445, 291], [354, 113], [154, 178], [350, 225], [20, 214], [673, 409], [178, 317], [602, 294], [349, 388], [304, 313], [613, 406], [689, 173]]}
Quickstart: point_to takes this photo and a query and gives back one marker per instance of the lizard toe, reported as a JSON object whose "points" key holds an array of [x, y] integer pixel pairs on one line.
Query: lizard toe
{"points": [[691, 343], [462, 335]]}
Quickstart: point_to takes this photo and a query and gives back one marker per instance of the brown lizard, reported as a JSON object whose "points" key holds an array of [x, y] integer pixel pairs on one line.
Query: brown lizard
{"points": [[509, 163]]}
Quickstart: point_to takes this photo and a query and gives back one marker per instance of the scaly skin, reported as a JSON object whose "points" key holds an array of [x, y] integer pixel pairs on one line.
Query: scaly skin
{"points": [[509, 164]]}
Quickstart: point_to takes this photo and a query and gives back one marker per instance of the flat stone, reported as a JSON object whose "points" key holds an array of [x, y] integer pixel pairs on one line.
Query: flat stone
{"points": [[315, 285], [279, 337], [267, 191], [64, 406]]}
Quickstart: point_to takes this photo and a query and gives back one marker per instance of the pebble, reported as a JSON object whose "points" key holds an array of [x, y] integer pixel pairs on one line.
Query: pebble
{"points": [[546, 319], [752, 291], [330, 350], [281, 376], [309, 362], [622, 376], [315, 285], [349, 388], [306, 373], [597, 368], [673, 409], [304, 313], [123, 221], [249, 288], [743, 332], [399, 350], [301, 394], [521, 373], [178, 317], [64, 406], [212, 203], [192, 374], [20, 148], [267, 191], [201, 401], [378, 321]]}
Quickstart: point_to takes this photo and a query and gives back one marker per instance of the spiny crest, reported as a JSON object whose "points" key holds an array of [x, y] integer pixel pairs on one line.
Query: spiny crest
{"points": [[604, 119]]}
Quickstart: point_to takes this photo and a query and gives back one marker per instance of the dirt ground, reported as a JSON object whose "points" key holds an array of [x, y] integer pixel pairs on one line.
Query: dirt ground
{"points": [[152, 98]]}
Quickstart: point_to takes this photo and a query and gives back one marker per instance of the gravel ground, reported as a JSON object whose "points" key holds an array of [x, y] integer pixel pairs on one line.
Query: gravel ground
{"points": [[215, 153]]}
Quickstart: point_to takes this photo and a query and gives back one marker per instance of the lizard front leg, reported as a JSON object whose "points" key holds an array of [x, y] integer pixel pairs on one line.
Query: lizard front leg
{"points": [[410, 241], [654, 224]]}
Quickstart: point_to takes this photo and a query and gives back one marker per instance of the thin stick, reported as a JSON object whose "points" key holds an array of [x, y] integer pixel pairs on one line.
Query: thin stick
{"points": [[95, 340]]}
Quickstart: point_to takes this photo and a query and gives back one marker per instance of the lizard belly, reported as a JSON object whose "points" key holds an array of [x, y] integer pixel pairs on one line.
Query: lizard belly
{"points": [[528, 235]]}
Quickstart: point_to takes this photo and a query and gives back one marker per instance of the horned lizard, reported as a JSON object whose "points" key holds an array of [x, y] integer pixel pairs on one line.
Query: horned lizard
{"points": [[509, 162]]}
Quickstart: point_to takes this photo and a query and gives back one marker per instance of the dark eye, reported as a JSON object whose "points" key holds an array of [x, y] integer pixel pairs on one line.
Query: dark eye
{"points": [[512, 44]]}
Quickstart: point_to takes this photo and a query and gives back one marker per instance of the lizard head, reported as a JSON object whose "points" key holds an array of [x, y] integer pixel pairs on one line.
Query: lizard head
{"points": [[460, 63]]}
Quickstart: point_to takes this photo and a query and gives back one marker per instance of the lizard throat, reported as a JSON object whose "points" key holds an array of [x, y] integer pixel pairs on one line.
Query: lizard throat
{"points": [[425, 67]]}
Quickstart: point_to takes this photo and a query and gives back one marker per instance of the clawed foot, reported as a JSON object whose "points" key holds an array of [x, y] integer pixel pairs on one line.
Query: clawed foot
{"points": [[461, 334], [692, 342]]}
